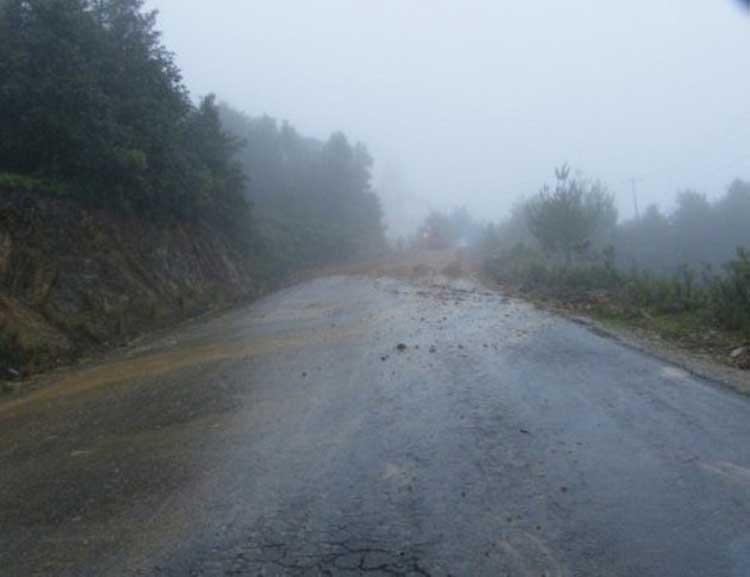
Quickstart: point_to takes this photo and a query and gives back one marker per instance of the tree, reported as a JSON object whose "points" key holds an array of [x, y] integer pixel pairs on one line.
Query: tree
{"points": [[692, 223], [54, 114], [732, 213], [647, 242], [90, 96], [217, 178], [567, 219], [313, 200]]}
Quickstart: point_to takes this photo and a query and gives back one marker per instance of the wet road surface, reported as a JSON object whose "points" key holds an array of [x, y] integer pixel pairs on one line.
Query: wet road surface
{"points": [[292, 437]]}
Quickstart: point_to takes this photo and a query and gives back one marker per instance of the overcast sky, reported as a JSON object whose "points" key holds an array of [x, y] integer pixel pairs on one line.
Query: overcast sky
{"points": [[475, 101]]}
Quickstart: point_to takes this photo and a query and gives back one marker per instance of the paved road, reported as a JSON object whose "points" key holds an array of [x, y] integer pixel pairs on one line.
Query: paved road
{"points": [[293, 438]]}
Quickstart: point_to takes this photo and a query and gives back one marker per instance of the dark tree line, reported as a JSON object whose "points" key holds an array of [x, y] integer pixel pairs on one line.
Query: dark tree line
{"points": [[578, 219], [569, 219], [693, 259], [697, 232], [313, 200], [90, 97], [91, 100]]}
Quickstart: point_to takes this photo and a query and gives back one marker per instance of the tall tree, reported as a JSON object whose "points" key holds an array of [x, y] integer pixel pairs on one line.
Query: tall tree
{"points": [[565, 220], [89, 94], [314, 200]]}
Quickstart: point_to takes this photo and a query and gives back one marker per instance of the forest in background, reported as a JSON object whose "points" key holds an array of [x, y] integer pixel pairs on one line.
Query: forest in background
{"points": [[312, 200], [685, 273], [578, 218], [126, 205], [94, 114], [93, 106]]}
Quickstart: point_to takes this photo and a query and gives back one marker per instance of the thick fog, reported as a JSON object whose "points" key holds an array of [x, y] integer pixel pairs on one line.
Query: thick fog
{"points": [[475, 102]]}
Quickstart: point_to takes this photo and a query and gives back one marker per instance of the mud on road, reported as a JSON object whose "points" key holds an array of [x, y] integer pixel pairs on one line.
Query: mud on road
{"points": [[295, 437]]}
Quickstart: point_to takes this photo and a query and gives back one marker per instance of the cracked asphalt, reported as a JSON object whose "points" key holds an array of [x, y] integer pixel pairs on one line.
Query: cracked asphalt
{"points": [[294, 437]]}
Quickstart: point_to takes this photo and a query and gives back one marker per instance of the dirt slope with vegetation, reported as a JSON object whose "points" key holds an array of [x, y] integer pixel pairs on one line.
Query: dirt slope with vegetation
{"points": [[126, 205], [75, 279]]}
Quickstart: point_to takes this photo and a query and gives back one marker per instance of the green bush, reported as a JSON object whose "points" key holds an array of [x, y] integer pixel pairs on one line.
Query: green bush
{"points": [[665, 294], [528, 268], [23, 183], [723, 299], [730, 294]]}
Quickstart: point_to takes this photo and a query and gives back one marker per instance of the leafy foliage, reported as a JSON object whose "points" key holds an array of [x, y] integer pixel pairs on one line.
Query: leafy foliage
{"points": [[565, 220], [651, 262], [697, 233], [720, 300], [730, 293], [89, 96], [92, 107], [313, 200]]}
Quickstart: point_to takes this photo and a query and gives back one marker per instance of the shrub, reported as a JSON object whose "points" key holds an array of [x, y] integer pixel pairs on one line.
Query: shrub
{"points": [[23, 183], [730, 293]]}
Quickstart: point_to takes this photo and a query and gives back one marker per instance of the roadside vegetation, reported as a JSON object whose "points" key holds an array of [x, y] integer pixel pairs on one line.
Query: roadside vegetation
{"points": [[312, 200], [124, 202], [684, 275], [93, 106], [92, 102]]}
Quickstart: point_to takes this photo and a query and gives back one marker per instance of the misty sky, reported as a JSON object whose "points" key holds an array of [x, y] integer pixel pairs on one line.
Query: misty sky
{"points": [[475, 101]]}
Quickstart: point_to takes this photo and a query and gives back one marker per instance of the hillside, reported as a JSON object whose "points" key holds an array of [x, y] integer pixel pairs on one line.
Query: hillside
{"points": [[75, 279], [126, 205]]}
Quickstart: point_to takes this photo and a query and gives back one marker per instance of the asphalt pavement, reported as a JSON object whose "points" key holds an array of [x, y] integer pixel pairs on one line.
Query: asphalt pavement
{"points": [[354, 425]]}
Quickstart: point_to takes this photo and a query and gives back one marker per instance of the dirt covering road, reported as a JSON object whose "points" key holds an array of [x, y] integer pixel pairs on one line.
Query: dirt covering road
{"points": [[295, 437]]}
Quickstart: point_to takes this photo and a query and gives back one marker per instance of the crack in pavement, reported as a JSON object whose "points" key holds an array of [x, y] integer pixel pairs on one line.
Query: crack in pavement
{"points": [[272, 558]]}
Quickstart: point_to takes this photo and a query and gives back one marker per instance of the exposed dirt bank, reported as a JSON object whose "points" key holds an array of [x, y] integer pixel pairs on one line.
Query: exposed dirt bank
{"points": [[75, 280]]}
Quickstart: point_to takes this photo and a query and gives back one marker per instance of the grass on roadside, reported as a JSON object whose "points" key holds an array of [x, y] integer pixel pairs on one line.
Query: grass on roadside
{"points": [[709, 314]]}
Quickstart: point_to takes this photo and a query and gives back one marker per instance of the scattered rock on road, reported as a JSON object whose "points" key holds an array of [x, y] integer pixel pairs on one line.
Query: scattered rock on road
{"points": [[10, 374], [741, 357], [401, 347], [11, 378], [738, 352]]}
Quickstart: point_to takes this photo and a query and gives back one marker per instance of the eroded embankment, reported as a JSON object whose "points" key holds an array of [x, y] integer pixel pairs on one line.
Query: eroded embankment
{"points": [[73, 279]]}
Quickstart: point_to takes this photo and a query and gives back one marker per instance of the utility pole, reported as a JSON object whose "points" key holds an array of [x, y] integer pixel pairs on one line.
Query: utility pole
{"points": [[633, 183]]}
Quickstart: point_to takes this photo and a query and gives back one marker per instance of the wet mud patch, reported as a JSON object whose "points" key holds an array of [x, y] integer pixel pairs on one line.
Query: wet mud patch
{"points": [[150, 365]]}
